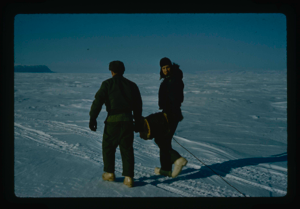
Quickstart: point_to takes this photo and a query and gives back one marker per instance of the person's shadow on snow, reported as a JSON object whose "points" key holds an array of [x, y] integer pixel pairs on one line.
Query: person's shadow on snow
{"points": [[220, 168], [141, 181]]}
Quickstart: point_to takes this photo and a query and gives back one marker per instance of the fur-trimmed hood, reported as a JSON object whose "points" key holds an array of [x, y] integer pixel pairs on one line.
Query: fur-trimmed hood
{"points": [[175, 71]]}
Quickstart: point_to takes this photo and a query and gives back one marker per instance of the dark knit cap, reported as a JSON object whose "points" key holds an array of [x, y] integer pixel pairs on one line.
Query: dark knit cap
{"points": [[165, 61], [117, 66]]}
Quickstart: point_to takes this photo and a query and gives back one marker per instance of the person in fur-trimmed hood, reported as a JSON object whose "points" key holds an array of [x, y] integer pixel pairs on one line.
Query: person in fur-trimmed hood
{"points": [[170, 97]]}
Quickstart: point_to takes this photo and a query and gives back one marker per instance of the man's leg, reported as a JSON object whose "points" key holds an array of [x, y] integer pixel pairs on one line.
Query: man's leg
{"points": [[164, 145], [176, 158], [167, 155], [126, 148], [174, 155], [109, 145]]}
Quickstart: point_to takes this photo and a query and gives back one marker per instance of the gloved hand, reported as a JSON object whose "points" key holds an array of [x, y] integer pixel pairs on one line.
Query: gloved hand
{"points": [[93, 124]]}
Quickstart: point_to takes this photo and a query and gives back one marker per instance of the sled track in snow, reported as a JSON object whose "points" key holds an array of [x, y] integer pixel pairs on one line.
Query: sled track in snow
{"points": [[44, 139], [48, 141], [181, 186]]}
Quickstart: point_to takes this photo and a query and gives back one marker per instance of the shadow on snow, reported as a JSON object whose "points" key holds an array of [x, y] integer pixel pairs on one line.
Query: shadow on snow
{"points": [[220, 168]]}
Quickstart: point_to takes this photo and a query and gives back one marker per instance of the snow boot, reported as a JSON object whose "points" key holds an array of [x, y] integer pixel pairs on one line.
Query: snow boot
{"points": [[158, 171], [108, 176], [128, 181], [179, 163]]}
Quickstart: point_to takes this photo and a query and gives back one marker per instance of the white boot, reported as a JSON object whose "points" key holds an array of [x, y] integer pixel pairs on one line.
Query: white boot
{"points": [[108, 176], [156, 171], [128, 181], [179, 163]]}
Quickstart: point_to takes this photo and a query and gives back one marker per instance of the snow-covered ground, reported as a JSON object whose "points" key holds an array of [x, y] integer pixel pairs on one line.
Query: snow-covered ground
{"points": [[234, 122]]}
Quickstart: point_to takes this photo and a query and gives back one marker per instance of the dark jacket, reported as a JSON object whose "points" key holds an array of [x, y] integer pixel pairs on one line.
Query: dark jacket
{"points": [[120, 95], [170, 95]]}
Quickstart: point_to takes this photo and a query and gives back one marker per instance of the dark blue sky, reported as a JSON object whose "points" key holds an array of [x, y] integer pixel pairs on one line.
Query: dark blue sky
{"points": [[88, 42]]}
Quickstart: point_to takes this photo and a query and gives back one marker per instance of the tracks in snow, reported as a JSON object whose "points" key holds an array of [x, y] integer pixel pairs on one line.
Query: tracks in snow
{"points": [[182, 186]]}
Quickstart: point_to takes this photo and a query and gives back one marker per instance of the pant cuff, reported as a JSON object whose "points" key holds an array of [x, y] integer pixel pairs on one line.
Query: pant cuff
{"points": [[165, 173]]}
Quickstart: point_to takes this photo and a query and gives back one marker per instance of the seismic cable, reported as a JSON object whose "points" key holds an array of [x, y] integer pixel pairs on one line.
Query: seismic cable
{"points": [[210, 168]]}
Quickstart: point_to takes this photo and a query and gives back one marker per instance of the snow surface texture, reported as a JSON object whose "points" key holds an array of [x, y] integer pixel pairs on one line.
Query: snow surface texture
{"points": [[235, 122]]}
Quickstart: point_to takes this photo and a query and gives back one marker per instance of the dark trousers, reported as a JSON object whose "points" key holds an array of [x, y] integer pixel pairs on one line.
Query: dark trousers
{"points": [[167, 155], [118, 134]]}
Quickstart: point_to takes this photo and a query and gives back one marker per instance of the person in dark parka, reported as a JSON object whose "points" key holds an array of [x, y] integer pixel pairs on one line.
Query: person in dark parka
{"points": [[121, 97], [170, 99]]}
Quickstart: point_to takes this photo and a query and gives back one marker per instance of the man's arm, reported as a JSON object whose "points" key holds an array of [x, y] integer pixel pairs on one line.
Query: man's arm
{"points": [[100, 98], [176, 97], [137, 109]]}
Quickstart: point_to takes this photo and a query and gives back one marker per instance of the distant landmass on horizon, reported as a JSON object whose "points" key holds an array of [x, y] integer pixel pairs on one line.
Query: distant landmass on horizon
{"points": [[32, 69]]}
